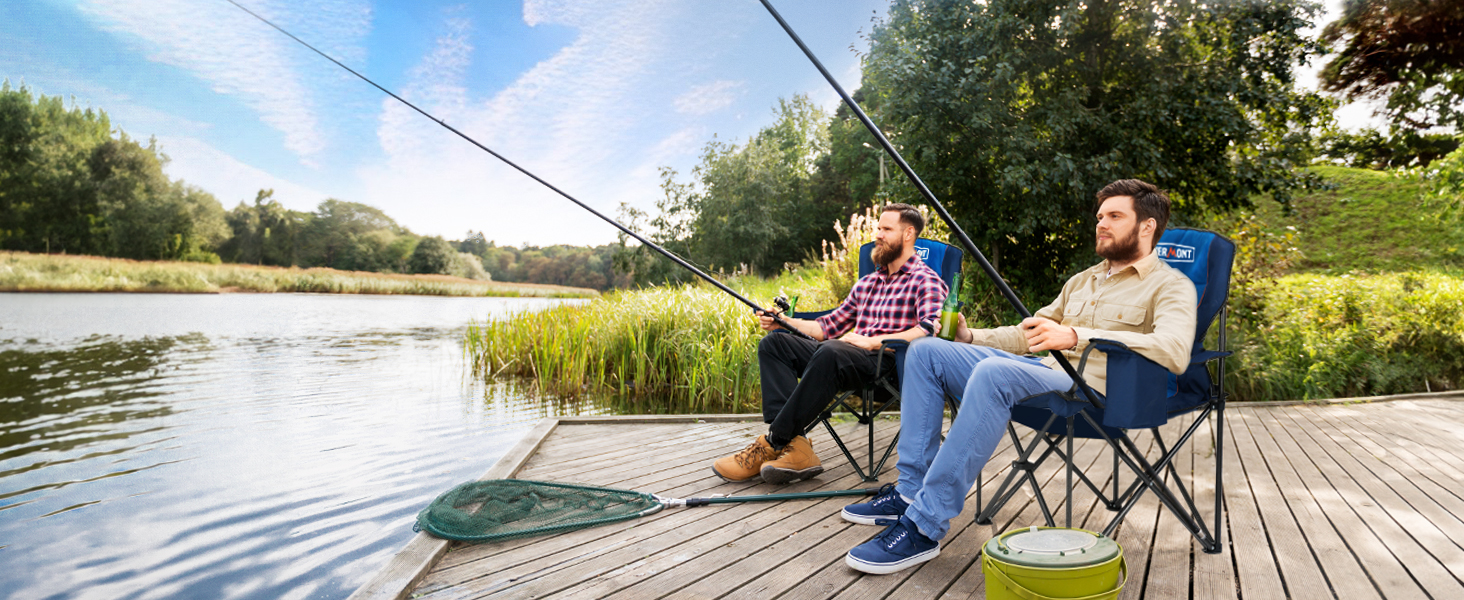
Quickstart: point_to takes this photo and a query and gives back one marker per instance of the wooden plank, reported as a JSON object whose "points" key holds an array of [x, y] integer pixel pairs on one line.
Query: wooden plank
{"points": [[550, 574], [1214, 574], [1269, 545], [961, 550], [958, 550], [413, 562], [1403, 503], [676, 567], [1393, 560], [1169, 558], [695, 482], [1290, 467]]}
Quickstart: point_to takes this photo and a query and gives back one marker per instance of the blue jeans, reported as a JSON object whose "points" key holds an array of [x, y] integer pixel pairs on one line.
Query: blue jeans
{"points": [[987, 382]]}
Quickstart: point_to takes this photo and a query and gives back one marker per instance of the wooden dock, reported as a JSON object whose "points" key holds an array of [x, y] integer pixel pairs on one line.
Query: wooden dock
{"points": [[1362, 500]]}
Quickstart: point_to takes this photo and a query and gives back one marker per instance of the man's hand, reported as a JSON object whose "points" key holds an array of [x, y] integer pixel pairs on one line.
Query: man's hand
{"points": [[1046, 334], [963, 333], [765, 320], [860, 341]]}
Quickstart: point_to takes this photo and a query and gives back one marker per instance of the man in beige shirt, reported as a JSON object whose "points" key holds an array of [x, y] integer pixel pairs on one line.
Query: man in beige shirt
{"points": [[1131, 297]]}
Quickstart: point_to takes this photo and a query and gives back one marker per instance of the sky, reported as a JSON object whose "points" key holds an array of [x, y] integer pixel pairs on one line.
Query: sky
{"points": [[591, 95]]}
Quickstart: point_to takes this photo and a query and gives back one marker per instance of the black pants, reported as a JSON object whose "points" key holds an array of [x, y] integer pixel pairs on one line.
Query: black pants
{"points": [[801, 377]]}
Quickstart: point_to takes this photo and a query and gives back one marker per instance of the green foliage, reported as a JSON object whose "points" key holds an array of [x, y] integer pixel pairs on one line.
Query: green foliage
{"points": [[1369, 221], [1370, 149], [1410, 51], [1445, 185], [578, 266], [433, 255], [1016, 111], [690, 344], [68, 185], [1338, 336]]}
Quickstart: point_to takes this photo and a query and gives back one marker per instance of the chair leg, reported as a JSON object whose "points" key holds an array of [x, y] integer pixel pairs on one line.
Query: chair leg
{"points": [[1023, 471], [1068, 462]]}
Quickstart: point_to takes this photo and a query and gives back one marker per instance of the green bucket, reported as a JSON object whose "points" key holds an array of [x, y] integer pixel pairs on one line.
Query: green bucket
{"points": [[1053, 563]]}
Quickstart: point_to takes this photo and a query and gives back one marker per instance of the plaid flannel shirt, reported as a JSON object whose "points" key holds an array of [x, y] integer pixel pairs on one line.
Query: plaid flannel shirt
{"points": [[881, 303]]}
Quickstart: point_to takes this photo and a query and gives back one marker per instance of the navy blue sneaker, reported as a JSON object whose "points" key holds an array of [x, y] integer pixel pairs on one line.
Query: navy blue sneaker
{"points": [[888, 505], [895, 549]]}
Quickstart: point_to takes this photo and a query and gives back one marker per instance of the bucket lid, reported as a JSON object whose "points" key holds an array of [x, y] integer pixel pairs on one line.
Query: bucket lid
{"points": [[1052, 548]]}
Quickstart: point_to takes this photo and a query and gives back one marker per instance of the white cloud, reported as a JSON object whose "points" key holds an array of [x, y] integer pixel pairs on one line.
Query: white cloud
{"points": [[708, 98], [572, 119], [241, 57], [229, 179]]}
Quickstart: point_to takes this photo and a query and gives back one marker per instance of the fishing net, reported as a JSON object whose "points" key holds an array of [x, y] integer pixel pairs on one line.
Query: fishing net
{"points": [[501, 509]]}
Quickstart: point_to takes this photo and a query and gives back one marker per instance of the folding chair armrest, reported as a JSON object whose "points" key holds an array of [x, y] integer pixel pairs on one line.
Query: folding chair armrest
{"points": [[812, 314], [1205, 356], [1136, 388], [899, 346]]}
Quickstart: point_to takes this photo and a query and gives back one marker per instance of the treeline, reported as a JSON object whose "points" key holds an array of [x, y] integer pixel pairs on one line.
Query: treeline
{"points": [[72, 184], [68, 185], [578, 266]]}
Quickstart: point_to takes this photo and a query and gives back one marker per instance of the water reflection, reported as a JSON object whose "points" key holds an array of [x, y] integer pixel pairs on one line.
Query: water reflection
{"points": [[272, 446]]}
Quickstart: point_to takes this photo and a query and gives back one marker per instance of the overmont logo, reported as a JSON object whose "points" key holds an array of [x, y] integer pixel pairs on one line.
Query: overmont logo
{"points": [[1177, 253], [924, 253]]}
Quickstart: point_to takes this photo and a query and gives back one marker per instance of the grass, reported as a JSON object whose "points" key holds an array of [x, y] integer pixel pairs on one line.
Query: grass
{"points": [[1373, 222], [1339, 336], [692, 348], [24, 272]]}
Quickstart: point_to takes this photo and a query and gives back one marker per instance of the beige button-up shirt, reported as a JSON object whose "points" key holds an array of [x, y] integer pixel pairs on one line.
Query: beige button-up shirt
{"points": [[1148, 306]]}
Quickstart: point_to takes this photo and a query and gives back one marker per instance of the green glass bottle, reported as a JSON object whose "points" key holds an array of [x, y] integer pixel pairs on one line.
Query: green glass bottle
{"points": [[949, 310]]}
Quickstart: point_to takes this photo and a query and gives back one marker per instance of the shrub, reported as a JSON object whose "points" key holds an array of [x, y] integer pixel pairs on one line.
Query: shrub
{"points": [[1331, 336]]}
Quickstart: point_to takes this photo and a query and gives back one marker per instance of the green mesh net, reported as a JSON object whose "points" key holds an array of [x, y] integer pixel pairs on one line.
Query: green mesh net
{"points": [[501, 509]]}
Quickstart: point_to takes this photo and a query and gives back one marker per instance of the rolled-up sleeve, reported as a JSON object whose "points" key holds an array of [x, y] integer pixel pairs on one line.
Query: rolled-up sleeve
{"points": [[842, 318]]}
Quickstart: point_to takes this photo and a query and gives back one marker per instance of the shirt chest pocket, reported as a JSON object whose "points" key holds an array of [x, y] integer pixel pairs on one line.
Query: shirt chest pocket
{"points": [[1072, 314], [1120, 317]]}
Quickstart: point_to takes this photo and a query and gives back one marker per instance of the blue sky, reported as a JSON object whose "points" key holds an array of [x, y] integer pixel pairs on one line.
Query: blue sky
{"points": [[591, 95]]}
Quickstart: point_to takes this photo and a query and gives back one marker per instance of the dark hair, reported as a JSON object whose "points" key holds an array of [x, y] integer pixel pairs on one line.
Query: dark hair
{"points": [[1150, 202], [908, 215]]}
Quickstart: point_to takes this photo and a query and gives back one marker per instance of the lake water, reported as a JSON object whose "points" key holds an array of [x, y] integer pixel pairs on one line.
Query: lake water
{"points": [[235, 446]]}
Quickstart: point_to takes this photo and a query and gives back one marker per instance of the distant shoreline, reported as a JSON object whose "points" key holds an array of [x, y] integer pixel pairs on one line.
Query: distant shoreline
{"points": [[23, 272]]}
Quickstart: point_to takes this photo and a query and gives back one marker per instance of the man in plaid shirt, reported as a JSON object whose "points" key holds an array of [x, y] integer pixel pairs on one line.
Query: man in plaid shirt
{"points": [[899, 301]]}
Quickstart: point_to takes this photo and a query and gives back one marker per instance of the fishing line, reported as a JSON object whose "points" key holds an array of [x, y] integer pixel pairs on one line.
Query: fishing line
{"points": [[664, 252], [1001, 284]]}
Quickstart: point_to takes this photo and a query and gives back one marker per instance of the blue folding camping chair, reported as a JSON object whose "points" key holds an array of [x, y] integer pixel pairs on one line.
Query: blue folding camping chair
{"points": [[883, 392], [1141, 395]]}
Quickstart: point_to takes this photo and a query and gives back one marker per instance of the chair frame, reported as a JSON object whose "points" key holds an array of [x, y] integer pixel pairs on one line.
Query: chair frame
{"points": [[883, 382], [1147, 476]]}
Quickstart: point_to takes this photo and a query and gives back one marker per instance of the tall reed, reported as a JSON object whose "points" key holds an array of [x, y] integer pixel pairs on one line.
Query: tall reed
{"points": [[24, 272], [691, 344]]}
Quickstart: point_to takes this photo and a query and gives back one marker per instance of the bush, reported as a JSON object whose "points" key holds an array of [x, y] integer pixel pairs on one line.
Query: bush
{"points": [[433, 256], [1330, 336]]}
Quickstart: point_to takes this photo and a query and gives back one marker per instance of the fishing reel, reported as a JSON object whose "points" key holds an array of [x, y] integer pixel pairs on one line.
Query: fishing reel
{"points": [[782, 303]]}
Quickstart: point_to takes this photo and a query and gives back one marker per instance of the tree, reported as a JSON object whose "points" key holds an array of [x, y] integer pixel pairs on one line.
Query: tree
{"points": [[1409, 51], [48, 202], [433, 255], [1016, 111]]}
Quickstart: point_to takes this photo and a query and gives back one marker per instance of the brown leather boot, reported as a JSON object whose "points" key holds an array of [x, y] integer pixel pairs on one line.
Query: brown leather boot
{"points": [[745, 464], [795, 462]]}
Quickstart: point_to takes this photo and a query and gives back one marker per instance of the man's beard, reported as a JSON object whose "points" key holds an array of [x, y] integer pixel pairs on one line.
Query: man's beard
{"points": [[1121, 250], [884, 255]]}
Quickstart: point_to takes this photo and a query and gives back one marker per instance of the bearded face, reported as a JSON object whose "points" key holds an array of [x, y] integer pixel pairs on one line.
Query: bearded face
{"points": [[1120, 248], [884, 254]]}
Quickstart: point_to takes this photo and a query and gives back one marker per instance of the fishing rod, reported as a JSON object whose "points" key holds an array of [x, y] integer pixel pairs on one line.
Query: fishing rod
{"points": [[777, 317], [1001, 284]]}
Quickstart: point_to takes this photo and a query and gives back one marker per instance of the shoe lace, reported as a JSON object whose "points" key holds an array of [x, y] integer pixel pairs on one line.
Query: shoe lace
{"points": [[892, 534], [749, 455], [885, 495]]}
